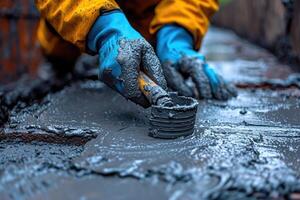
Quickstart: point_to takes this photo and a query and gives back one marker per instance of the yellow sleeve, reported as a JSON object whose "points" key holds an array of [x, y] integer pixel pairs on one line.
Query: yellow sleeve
{"points": [[72, 19], [193, 15]]}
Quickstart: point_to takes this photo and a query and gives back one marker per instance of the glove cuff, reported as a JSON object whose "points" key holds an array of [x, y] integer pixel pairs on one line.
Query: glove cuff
{"points": [[108, 24], [173, 42]]}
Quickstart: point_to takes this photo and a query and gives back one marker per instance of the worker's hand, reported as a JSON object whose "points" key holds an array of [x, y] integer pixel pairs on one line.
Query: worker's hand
{"points": [[123, 52], [180, 62]]}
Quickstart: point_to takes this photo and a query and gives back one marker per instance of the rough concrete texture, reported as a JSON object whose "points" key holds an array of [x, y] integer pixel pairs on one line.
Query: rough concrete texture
{"points": [[246, 148], [272, 24], [28, 90]]}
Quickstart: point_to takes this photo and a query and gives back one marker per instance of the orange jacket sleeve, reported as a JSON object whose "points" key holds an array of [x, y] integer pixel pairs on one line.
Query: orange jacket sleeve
{"points": [[72, 19], [193, 15]]}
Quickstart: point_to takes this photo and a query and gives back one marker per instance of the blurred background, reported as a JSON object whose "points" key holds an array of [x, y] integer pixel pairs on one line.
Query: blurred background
{"points": [[273, 24], [19, 49]]}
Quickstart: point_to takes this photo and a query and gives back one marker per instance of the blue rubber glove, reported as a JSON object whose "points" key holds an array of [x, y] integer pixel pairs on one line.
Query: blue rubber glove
{"points": [[123, 52], [175, 49]]}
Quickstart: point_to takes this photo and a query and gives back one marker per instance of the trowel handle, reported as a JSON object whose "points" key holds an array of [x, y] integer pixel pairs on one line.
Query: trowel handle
{"points": [[146, 85], [155, 94]]}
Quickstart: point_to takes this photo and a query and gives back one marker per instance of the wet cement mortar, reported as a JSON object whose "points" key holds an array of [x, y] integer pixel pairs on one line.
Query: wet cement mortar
{"points": [[86, 141]]}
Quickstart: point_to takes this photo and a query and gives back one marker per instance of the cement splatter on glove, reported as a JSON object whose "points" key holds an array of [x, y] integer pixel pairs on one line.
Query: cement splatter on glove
{"points": [[123, 52], [181, 62]]}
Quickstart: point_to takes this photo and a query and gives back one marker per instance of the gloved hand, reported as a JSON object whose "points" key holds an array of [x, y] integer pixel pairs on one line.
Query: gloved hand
{"points": [[180, 61], [123, 52]]}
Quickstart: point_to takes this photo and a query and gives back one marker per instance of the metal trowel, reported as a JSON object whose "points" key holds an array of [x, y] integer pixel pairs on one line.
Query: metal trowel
{"points": [[172, 116]]}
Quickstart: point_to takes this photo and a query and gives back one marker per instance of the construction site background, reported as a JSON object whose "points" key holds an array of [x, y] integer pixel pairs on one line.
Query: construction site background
{"points": [[269, 23]]}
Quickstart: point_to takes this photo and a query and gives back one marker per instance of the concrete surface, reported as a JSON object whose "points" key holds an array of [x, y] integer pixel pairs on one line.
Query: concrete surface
{"points": [[87, 142]]}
